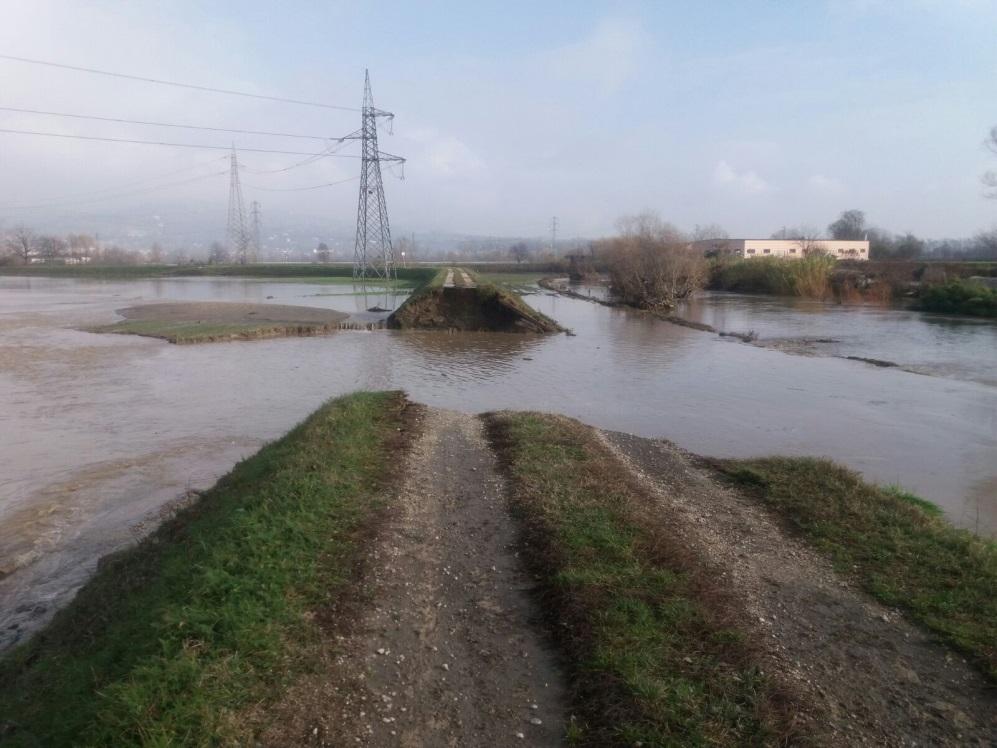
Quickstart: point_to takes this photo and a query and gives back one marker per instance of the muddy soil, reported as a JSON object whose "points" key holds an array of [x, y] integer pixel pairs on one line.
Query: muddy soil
{"points": [[231, 313], [880, 679], [459, 304], [447, 651]]}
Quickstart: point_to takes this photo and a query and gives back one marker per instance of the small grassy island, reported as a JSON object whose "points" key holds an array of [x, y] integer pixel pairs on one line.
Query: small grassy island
{"points": [[211, 321]]}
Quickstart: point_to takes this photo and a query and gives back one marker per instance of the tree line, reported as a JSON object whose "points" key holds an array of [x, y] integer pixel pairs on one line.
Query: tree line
{"points": [[21, 245]]}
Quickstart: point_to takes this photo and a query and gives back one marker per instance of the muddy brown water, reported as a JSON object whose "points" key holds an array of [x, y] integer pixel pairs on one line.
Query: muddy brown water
{"points": [[99, 432]]}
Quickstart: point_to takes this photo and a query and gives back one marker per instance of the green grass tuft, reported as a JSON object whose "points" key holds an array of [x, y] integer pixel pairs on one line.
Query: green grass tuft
{"points": [[895, 544], [654, 655], [212, 613]]}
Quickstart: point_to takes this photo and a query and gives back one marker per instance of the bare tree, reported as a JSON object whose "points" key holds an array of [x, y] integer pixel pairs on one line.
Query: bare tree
{"points": [[22, 243], [155, 253], [989, 178], [849, 226], [651, 264], [809, 242], [51, 247], [716, 238], [985, 245], [519, 252], [710, 231], [217, 253], [81, 245]]}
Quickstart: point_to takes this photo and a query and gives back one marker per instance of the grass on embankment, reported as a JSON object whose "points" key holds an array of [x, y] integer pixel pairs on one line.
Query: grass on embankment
{"points": [[653, 648], [519, 282], [217, 610], [895, 545]]}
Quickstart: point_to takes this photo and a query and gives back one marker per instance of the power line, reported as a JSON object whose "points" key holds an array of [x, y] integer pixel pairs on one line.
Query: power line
{"points": [[165, 124], [342, 143], [116, 196], [172, 145], [119, 187], [195, 87], [301, 189]]}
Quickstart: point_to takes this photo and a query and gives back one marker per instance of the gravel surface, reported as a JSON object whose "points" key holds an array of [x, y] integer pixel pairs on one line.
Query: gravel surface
{"points": [[878, 679], [448, 649]]}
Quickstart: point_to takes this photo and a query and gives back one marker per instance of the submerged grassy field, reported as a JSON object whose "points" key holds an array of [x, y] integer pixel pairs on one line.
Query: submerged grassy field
{"points": [[895, 545], [655, 655], [215, 612]]}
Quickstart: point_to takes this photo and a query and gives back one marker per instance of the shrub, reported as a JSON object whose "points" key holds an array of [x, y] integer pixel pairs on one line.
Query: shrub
{"points": [[650, 264], [959, 297], [809, 276]]}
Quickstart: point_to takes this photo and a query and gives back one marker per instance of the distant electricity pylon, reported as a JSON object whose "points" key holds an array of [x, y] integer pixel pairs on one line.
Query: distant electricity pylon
{"points": [[238, 235], [373, 256], [255, 248], [553, 234]]}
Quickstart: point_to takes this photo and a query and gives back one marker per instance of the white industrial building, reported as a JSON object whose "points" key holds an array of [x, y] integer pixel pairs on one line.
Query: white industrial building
{"points": [[786, 248]]}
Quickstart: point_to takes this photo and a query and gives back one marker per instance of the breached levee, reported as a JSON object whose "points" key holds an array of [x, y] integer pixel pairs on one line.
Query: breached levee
{"points": [[458, 300]]}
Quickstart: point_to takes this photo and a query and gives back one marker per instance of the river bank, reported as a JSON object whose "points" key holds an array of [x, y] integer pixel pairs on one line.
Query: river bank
{"points": [[315, 598]]}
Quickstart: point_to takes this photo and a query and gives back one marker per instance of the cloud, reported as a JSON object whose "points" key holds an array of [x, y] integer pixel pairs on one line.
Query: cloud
{"points": [[445, 155], [825, 185], [450, 156], [747, 182], [607, 58]]}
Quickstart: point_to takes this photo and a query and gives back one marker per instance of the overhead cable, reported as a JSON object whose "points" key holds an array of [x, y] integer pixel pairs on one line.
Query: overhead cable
{"points": [[301, 189], [172, 145], [165, 124], [193, 86]]}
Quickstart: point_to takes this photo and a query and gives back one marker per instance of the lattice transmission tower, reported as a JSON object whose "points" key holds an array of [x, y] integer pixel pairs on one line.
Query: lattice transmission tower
{"points": [[373, 256], [255, 248], [238, 234]]}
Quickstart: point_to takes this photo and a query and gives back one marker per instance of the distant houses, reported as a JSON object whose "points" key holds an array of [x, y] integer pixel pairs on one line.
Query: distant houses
{"points": [[784, 248]]}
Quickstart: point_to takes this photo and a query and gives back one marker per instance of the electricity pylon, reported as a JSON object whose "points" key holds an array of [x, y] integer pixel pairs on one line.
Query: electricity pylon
{"points": [[254, 247], [238, 236], [373, 256]]}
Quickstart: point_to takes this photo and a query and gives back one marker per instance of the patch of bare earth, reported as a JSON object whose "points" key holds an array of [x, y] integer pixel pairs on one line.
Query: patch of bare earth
{"points": [[879, 679], [447, 649]]}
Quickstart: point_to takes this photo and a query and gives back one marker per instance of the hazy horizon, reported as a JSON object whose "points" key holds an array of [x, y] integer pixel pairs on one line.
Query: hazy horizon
{"points": [[751, 116]]}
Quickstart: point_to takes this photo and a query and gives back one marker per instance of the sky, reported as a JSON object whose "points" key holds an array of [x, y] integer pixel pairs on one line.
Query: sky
{"points": [[751, 115]]}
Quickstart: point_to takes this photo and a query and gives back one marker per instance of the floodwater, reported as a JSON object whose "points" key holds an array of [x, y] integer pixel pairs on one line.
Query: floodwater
{"points": [[934, 344], [98, 433]]}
